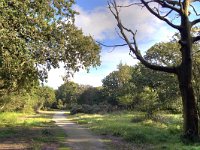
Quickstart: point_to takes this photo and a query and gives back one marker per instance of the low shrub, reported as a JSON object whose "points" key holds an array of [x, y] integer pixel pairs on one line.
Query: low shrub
{"points": [[87, 109], [76, 109], [91, 109]]}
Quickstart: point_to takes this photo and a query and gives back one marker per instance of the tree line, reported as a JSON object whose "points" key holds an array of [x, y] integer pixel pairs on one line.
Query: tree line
{"points": [[134, 87]]}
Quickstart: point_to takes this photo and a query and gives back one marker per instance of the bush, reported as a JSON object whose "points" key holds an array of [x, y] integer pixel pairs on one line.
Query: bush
{"points": [[87, 109], [95, 109], [76, 109], [91, 109], [105, 107]]}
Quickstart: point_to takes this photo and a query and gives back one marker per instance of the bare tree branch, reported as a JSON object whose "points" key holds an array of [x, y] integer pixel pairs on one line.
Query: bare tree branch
{"points": [[195, 39], [113, 46], [195, 22], [120, 35], [194, 10], [133, 46], [168, 13], [169, 4], [160, 17]]}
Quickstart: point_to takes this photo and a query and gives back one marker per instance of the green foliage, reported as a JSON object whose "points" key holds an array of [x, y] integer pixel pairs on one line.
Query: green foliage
{"points": [[117, 85], [46, 96], [35, 37], [35, 99], [125, 100], [90, 95], [91, 109], [71, 94], [140, 88], [165, 85], [148, 101], [68, 93], [76, 109], [59, 104]]}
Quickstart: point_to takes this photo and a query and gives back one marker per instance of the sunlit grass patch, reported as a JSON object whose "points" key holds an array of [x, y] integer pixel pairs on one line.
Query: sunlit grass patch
{"points": [[10, 119], [34, 129], [161, 132]]}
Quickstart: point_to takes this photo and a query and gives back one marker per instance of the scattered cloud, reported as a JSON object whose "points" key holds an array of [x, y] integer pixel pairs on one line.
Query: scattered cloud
{"points": [[101, 24]]}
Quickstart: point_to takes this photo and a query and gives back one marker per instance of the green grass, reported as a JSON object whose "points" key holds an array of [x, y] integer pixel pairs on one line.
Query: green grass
{"points": [[35, 129], [164, 133]]}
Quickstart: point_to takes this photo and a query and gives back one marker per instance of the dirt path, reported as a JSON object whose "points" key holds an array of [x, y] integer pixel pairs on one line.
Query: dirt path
{"points": [[78, 138]]}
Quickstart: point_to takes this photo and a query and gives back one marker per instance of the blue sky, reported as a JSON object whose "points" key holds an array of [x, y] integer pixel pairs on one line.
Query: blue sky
{"points": [[96, 20]]}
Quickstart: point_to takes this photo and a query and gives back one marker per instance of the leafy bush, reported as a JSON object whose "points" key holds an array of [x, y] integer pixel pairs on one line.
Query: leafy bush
{"points": [[88, 109], [91, 109], [105, 107], [76, 109], [95, 108]]}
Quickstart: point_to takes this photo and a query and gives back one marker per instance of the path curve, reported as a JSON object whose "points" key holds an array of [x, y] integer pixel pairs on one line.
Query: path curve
{"points": [[78, 138]]}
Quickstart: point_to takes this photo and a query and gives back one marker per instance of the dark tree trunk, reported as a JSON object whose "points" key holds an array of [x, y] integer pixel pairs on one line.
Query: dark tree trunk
{"points": [[190, 113]]}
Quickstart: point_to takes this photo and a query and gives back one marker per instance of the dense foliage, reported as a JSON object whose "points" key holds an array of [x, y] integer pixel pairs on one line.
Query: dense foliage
{"points": [[37, 98], [35, 37]]}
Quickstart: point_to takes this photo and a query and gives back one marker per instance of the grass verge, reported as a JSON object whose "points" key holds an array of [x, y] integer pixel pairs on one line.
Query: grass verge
{"points": [[164, 133], [30, 131]]}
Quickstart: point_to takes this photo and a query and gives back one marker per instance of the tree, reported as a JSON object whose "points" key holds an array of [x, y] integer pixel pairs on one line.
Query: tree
{"points": [[37, 36], [117, 85], [161, 83], [90, 95], [166, 85], [45, 97], [184, 9], [68, 93]]}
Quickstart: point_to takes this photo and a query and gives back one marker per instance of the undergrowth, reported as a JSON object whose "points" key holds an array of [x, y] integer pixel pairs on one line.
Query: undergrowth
{"points": [[35, 129], [161, 132]]}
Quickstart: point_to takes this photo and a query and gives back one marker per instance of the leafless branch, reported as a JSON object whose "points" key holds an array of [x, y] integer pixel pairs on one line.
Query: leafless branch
{"points": [[140, 4], [195, 39], [160, 17], [195, 22], [133, 45], [113, 46], [169, 4], [167, 14], [194, 10], [120, 35]]}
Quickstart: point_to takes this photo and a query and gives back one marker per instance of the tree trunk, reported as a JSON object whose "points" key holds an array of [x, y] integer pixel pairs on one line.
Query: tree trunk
{"points": [[190, 114]]}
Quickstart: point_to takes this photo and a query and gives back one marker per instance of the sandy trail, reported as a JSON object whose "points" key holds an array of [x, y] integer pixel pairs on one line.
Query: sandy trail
{"points": [[78, 138]]}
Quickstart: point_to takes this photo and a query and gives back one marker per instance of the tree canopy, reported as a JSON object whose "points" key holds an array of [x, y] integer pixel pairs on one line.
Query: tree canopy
{"points": [[37, 36]]}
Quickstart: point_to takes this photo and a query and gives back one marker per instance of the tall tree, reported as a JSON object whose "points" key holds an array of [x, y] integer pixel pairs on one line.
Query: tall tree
{"points": [[68, 93], [163, 10], [37, 35], [117, 85]]}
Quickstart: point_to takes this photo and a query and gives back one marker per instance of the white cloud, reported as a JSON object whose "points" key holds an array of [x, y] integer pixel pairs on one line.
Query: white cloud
{"points": [[101, 24], [98, 23]]}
